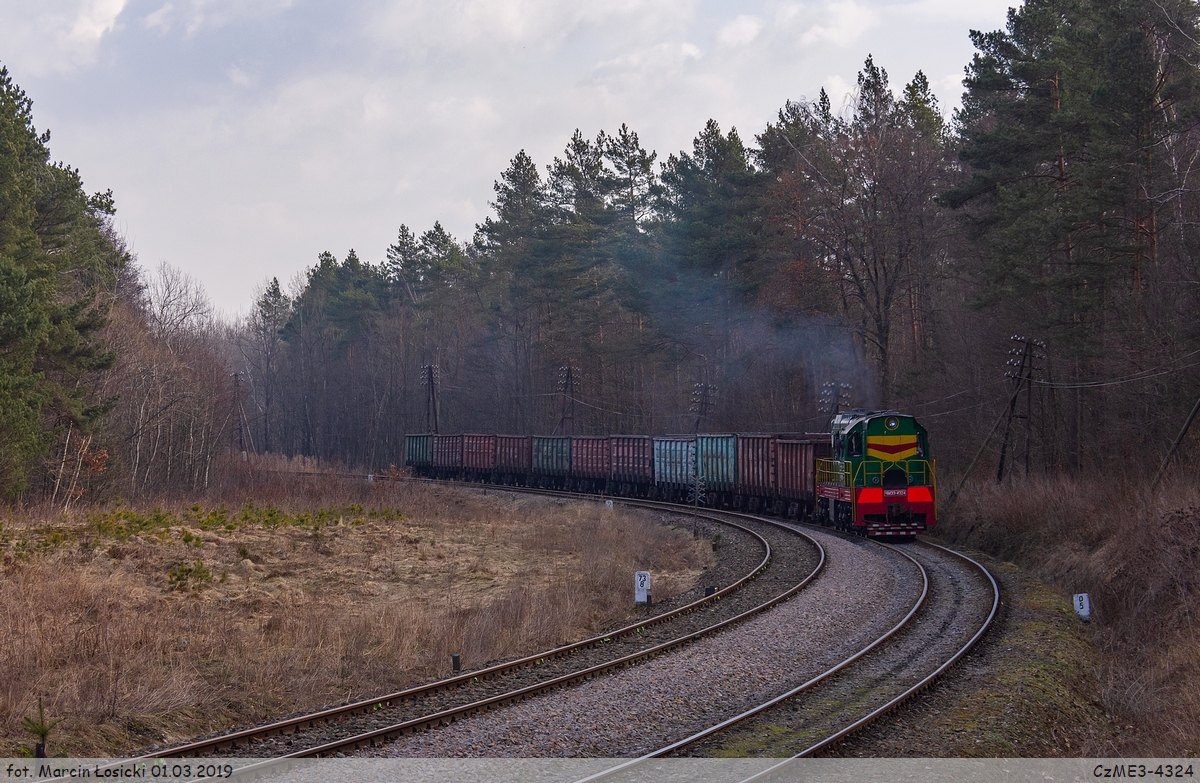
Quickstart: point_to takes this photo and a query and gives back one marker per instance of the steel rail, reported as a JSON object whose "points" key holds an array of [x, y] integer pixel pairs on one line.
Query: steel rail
{"points": [[727, 723], [370, 739], [908, 694], [310, 720], [445, 717]]}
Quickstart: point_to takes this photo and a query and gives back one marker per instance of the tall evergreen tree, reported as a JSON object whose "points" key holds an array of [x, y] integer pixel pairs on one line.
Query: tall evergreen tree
{"points": [[56, 250], [1075, 126]]}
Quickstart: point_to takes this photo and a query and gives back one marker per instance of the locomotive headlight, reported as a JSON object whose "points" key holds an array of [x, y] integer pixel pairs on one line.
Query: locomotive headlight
{"points": [[875, 480], [891, 422]]}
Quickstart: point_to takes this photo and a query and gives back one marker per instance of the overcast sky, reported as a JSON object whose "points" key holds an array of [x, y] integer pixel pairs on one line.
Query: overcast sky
{"points": [[243, 137]]}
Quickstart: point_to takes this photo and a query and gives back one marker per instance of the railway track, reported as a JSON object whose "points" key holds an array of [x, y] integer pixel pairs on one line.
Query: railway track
{"points": [[948, 603], [782, 570], [958, 606]]}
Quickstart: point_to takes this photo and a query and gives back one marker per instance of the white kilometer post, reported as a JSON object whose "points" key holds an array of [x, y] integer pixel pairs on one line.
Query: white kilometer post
{"points": [[641, 587], [1083, 606]]}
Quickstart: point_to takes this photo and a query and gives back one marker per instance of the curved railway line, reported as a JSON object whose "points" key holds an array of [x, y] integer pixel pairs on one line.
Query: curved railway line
{"points": [[954, 606], [782, 570], [814, 716]]}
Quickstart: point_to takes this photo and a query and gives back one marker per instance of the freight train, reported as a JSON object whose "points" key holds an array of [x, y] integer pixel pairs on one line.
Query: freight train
{"points": [[872, 474]]}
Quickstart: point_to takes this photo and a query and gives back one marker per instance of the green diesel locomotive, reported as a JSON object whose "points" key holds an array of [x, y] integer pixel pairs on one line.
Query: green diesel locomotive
{"points": [[880, 480]]}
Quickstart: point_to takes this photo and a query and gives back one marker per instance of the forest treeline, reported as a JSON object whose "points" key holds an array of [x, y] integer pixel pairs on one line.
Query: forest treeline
{"points": [[871, 254]]}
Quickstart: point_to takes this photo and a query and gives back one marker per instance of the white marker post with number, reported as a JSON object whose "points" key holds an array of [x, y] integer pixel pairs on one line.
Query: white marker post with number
{"points": [[641, 587], [1083, 606]]}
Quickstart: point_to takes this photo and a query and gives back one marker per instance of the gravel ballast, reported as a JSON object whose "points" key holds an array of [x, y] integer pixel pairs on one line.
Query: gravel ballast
{"points": [[863, 591]]}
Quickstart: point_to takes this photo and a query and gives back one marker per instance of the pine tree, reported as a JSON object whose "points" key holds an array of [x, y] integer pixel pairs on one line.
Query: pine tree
{"points": [[56, 250], [1074, 130]]}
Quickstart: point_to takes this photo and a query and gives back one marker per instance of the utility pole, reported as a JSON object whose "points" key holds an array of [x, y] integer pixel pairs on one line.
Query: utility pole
{"points": [[1022, 359], [1175, 445], [696, 494], [429, 379], [241, 419], [568, 378], [703, 395], [834, 398]]}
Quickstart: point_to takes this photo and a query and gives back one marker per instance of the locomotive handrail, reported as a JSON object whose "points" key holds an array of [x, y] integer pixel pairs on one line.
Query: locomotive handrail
{"points": [[922, 471], [831, 471]]}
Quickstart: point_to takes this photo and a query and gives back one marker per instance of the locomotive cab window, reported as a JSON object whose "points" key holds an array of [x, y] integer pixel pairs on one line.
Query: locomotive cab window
{"points": [[922, 448], [855, 444]]}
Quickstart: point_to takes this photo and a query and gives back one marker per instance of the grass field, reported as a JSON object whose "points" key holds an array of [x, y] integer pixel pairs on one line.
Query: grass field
{"points": [[139, 625]]}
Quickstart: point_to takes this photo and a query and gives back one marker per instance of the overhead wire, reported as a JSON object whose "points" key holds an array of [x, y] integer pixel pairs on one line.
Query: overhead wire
{"points": [[1143, 375]]}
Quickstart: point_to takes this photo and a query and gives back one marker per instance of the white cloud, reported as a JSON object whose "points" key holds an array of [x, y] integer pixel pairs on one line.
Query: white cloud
{"points": [[951, 84], [739, 31], [195, 16], [957, 10], [238, 76], [253, 134], [417, 29], [840, 92], [159, 20], [95, 19], [845, 22], [55, 36]]}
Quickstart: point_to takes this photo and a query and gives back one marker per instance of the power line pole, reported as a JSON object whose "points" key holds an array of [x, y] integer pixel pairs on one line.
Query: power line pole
{"points": [[1175, 445], [1038, 353], [568, 376], [1022, 357], [241, 419], [834, 398], [429, 379], [703, 395]]}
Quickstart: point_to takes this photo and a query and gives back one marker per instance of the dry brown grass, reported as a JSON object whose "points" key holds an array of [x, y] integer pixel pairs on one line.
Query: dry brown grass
{"points": [[153, 624], [1139, 558]]}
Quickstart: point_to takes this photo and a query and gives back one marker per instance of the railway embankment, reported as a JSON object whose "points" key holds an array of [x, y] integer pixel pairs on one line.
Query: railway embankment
{"points": [[1032, 687], [1127, 682]]}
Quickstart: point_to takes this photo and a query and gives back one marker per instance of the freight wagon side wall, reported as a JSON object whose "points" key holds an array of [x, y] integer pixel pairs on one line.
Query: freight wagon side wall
{"points": [[514, 453], [795, 463], [591, 458], [716, 461], [551, 456], [479, 452], [418, 450], [674, 460], [447, 451], [632, 458], [756, 465]]}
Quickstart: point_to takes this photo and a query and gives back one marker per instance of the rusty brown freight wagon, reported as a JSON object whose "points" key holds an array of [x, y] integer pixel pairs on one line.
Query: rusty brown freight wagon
{"points": [[591, 463], [514, 459], [479, 456], [795, 460], [632, 464], [756, 471], [447, 456]]}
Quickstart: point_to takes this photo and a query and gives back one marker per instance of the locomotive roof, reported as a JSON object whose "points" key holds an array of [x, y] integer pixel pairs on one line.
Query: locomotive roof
{"points": [[850, 419]]}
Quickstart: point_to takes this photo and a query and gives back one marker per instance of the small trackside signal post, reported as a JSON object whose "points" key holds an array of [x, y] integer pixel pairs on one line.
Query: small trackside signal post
{"points": [[696, 496]]}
